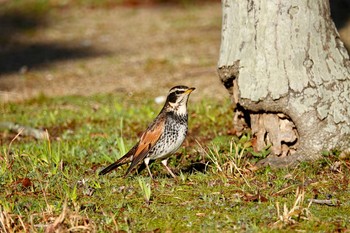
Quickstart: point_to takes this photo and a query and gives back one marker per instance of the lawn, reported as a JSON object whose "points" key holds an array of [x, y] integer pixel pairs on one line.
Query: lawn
{"points": [[52, 185]]}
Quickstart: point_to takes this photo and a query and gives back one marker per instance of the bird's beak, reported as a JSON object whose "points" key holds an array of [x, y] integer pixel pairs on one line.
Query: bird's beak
{"points": [[189, 90]]}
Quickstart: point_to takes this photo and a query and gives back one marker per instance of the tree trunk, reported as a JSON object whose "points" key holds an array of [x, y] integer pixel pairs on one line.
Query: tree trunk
{"points": [[288, 74]]}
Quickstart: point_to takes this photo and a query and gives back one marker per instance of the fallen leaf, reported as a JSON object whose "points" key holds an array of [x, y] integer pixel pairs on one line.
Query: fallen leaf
{"points": [[254, 198]]}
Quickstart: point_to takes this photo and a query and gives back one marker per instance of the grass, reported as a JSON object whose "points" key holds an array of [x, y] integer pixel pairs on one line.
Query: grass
{"points": [[52, 185]]}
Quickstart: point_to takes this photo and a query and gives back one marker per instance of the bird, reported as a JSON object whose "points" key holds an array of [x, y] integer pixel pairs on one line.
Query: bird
{"points": [[163, 137]]}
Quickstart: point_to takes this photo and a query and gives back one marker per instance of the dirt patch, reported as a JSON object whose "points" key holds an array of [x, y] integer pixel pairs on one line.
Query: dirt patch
{"points": [[89, 51]]}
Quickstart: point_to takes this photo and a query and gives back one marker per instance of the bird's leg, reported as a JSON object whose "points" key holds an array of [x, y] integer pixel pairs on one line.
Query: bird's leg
{"points": [[146, 161], [165, 163]]}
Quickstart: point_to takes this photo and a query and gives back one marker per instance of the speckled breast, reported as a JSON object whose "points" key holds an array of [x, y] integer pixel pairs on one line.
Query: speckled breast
{"points": [[174, 134]]}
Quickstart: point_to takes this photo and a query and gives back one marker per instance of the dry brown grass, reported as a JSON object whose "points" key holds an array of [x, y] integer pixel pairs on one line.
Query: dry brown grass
{"points": [[298, 212]]}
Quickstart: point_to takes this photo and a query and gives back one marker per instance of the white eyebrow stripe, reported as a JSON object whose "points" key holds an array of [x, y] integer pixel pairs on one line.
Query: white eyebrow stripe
{"points": [[178, 89]]}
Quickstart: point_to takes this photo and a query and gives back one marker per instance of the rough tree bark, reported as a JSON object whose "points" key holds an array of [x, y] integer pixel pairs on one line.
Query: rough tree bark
{"points": [[288, 74]]}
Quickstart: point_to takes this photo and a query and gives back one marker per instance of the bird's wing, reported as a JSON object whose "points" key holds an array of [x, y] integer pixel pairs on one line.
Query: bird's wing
{"points": [[148, 139]]}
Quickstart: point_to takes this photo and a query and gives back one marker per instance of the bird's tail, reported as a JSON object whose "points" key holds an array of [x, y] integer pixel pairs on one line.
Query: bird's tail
{"points": [[110, 168], [123, 160]]}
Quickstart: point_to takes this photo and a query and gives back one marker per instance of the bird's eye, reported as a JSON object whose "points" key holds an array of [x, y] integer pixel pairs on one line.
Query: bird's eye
{"points": [[178, 92]]}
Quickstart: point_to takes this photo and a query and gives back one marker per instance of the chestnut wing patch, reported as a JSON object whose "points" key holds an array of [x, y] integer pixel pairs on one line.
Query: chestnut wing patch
{"points": [[148, 139]]}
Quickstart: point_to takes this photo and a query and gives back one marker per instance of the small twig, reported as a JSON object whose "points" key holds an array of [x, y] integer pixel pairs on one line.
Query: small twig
{"points": [[59, 220], [333, 202], [22, 223], [9, 158], [283, 190]]}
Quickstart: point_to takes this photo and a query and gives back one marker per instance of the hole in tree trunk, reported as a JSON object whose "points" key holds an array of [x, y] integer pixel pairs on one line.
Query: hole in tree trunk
{"points": [[269, 129], [228, 83]]}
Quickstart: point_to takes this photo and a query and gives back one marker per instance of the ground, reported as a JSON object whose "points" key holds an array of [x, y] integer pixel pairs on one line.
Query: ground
{"points": [[84, 51], [120, 59]]}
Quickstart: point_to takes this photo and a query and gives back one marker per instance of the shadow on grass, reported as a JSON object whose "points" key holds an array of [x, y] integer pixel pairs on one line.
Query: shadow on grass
{"points": [[39, 55], [195, 167], [16, 53]]}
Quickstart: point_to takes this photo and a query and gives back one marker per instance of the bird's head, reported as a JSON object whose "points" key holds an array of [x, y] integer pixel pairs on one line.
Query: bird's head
{"points": [[177, 99]]}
